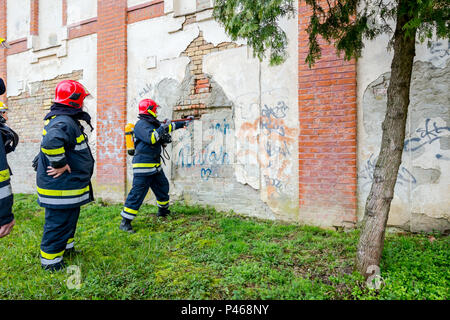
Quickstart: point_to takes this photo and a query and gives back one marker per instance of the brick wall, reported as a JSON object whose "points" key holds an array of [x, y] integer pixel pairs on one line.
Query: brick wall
{"points": [[3, 52], [34, 18], [327, 141], [112, 98]]}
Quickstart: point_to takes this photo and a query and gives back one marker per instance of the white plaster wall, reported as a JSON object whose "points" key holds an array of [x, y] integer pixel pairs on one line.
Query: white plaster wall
{"points": [[50, 22], [421, 199], [18, 22], [79, 10]]}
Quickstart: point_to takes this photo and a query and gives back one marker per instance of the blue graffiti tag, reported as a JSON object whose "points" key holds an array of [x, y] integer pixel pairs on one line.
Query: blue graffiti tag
{"points": [[270, 114], [204, 157], [428, 135], [404, 175], [205, 173]]}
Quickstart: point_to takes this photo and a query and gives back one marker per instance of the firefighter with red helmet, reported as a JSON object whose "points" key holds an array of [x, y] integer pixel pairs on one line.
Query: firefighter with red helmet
{"points": [[150, 135], [64, 168]]}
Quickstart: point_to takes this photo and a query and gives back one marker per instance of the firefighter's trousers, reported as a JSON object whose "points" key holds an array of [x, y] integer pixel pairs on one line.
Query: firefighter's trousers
{"points": [[141, 184], [59, 232]]}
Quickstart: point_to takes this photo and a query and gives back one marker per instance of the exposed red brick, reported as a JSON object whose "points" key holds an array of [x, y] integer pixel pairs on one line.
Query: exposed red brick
{"points": [[327, 139], [82, 28], [111, 95], [145, 11], [34, 18], [3, 52], [17, 46], [64, 12]]}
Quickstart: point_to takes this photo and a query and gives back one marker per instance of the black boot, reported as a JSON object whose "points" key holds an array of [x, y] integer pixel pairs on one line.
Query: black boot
{"points": [[125, 225], [54, 267], [163, 212]]}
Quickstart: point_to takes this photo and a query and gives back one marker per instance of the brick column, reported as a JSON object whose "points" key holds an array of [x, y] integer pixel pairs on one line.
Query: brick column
{"points": [[111, 98], [327, 141], [3, 52], [34, 18]]}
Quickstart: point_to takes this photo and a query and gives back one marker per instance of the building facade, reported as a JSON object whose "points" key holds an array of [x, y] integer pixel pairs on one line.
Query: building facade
{"points": [[288, 142]]}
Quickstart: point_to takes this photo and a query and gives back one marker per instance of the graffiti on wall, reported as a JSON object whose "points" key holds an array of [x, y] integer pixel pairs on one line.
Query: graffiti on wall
{"points": [[427, 134], [405, 178], [205, 151], [265, 141], [440, 52]]}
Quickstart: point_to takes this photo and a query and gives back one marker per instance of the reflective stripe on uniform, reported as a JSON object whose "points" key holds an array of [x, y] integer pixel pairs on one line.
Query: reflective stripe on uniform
{"points": [[47, 262], [51, 256], [5, 191], [44, 132], [137, 170], [60, 201], [70, 243], [154, 137], [170, 128], [62, 193], [146, 165], [128, 210], [55, 158], [82, 146], [53, 152], [127, 215], [162, 204], [4, 175], [80, 138]]}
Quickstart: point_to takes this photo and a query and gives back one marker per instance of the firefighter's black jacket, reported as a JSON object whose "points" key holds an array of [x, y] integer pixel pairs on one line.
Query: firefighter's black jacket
{"points": [[64, 142], [148, 132]]}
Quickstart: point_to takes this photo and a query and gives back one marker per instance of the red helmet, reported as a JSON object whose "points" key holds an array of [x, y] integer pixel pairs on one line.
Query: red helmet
{"points": [[71, 93], [148, 106]]}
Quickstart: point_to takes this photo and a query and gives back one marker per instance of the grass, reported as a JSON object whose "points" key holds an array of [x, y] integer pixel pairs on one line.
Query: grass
{"points": [[203, 254]]}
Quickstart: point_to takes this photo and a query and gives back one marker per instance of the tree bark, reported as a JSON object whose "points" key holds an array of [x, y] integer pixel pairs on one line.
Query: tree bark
{"points": [[378, 203]]}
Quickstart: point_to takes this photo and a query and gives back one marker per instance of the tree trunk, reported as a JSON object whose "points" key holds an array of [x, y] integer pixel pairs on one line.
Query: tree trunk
{"points": [[378, 203]]}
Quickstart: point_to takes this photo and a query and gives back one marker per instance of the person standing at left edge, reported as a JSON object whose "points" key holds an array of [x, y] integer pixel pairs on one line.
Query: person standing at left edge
{"points": [[64, 169], [8, 143]]}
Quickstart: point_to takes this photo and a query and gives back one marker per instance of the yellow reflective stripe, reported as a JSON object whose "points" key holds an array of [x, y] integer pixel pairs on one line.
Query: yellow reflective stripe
{"points": [[130, 210], [44, 132], [4, 175], [70, 240], [53, 152], [80, 138], [146, 165], [162, 202], [51, 256], [62, 193], [46, 122], [153, 137], [170, 128]]}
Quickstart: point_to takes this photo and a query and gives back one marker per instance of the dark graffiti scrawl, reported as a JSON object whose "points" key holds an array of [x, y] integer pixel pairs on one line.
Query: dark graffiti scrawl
{"points": [[427, 135]]}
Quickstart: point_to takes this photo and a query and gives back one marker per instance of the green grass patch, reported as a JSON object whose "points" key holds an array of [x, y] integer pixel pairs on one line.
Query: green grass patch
{"points": [[199, 253]]}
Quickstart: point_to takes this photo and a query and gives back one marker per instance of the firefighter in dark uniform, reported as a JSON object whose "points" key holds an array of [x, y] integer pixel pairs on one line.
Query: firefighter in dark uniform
{"points": [[150, 135], [64, 168], [8, 143]]}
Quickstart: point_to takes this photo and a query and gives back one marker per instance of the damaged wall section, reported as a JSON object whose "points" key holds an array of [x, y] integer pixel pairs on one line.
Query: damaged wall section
{"points": [[421, 201], [245, 111]]}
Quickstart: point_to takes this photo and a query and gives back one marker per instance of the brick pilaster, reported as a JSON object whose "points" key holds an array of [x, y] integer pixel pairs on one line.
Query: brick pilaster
{"points": [[111, 98], [3, 34], [34, 18], [327, 141]]}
